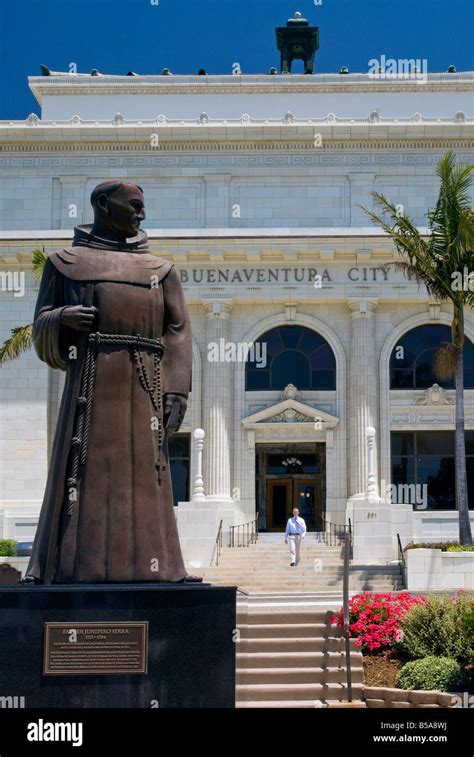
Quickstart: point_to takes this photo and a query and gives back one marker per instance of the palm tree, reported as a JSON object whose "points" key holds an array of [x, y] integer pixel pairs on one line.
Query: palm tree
{"points": [[440, 263], [21, 336]]}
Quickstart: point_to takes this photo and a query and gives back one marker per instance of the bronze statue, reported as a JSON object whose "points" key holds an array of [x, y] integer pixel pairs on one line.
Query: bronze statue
{"points": [[113, 317]]}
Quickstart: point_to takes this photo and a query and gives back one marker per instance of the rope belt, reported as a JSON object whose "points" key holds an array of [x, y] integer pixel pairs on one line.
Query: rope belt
{"points": [[135, 343]]}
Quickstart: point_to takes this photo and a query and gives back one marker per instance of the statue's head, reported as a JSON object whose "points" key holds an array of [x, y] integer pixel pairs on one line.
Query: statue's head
{"points": [[119, 208]]}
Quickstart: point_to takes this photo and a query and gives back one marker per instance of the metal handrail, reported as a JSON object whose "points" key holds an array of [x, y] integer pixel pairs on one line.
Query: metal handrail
{"points": [[345, 608], [333, 534], [402, 561], [247, 534], [218, 545]]}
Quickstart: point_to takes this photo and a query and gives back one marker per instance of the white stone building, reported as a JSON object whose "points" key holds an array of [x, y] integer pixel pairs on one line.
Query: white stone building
{"points": [[253, 187]]}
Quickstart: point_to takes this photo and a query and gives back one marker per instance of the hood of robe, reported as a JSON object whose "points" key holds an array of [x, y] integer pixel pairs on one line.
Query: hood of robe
{"points": [[83, 237]]}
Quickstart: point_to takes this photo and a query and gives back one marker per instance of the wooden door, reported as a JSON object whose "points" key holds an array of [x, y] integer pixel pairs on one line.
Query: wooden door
{"points": [[279, 503], [307, 498]]}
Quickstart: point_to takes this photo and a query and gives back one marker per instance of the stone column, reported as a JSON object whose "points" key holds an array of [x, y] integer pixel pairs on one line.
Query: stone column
{"points": [[363, 393], [217, 403]]}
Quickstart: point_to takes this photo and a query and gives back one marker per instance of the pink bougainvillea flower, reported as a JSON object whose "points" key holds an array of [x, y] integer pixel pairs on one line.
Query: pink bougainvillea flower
{"points": [[374, 619]]}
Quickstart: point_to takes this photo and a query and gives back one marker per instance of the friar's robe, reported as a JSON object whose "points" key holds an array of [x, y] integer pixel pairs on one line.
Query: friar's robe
{"points": [[122, 526]]}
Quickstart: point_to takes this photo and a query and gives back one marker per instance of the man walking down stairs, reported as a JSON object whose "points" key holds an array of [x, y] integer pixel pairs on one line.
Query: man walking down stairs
{"points": [[295, 533]]}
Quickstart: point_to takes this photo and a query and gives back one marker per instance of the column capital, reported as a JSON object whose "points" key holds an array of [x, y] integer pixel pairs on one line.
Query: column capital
{"points": [[362, 307], [218, 308]]}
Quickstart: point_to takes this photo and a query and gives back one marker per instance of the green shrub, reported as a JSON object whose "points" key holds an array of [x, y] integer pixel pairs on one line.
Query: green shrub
{"points": [[444, 546], [431, 545], [7, 547], [469, 623], [437, 627], [431, 674]]}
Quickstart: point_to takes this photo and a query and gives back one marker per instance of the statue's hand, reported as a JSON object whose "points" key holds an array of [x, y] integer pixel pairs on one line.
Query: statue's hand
{"points": [[175, 408], [78, 317]]}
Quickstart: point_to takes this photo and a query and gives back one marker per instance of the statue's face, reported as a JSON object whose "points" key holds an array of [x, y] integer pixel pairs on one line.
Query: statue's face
{"points": [[124, 210]]}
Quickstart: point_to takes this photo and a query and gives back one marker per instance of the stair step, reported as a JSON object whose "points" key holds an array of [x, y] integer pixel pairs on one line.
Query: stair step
{"points": [[298, 704], [267, 601], [285, 644], [277, 588], [317, 675], [303, 574], [283, 616], [295, 660], [285, 630], [296, 691], [283, 704], [284, 564]]}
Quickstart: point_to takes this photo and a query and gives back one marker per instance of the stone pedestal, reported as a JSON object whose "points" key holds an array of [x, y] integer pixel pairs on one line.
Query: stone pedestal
{"points": [[198, 520], [375, 520], [197, 527], [375, 524], [190, 657]]}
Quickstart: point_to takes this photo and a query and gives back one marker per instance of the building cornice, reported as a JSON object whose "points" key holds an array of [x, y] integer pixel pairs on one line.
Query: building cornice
{"points": [[215, 247], [204, 133], [73, 85], [368, 233]]}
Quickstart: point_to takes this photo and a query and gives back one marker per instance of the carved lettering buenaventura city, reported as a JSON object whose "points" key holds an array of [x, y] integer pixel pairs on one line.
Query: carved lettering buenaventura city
{"points": [[280, 275]]}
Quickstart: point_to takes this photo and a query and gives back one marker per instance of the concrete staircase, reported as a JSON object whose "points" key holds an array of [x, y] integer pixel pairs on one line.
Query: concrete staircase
{"points": [[293, 658], [264, 567]]}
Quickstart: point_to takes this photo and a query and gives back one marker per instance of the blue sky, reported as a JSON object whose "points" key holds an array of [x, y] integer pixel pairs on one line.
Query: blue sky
{"points": [[116, 36]]}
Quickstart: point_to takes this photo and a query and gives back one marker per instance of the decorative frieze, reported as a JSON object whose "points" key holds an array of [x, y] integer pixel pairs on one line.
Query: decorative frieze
{"points": [[333, 152]]}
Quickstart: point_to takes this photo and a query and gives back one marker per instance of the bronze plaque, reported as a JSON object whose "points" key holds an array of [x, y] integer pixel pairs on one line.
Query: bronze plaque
{"points": [[95, 649]]}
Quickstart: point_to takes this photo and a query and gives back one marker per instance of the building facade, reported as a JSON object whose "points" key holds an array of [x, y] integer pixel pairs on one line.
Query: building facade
{"points": [[305, 334]]}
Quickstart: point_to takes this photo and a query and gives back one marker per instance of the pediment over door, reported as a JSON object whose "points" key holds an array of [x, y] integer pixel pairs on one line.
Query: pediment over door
{"points": [[290, 411]]}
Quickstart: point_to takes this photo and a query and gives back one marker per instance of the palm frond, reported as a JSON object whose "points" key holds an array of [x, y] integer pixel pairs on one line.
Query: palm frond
{"points": [[414, 272], [444, 361], [20, 341], [39, 261], [448, 253], [416, 253]]}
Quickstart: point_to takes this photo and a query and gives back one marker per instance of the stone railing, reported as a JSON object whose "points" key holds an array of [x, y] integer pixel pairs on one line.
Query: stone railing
{"points": [[400, 698], [434, 569]]}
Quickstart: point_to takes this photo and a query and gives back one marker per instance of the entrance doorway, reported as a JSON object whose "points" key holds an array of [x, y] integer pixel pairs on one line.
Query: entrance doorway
{"points": [[289, 477], [285, 494]]}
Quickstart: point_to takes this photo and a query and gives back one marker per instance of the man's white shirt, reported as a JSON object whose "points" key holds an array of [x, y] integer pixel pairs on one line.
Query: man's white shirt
{"points": [[295, 526]]}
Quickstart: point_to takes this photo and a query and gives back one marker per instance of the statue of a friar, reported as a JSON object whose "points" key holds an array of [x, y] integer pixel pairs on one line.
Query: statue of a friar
{"points": [[113, 316]]}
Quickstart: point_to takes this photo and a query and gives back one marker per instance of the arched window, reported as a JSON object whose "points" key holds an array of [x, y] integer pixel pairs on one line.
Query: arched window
{"points": [[411, 362], [294, 355]]}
